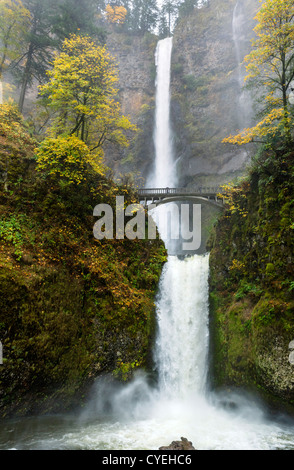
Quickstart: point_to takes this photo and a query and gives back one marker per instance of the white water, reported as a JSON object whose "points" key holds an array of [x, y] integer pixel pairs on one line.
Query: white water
{"points": [[245, 112], [144, 416], [182, 343], [139, 416], [164, 174]]}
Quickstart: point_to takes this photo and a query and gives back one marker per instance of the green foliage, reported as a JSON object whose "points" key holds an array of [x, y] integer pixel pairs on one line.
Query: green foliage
{"points": [[68, 302], [246, 289], [76, 17], [124, 371], [67, 158], [16, 147], [252, 277], [16, 230], [142, 16], [15, 19], [82, 91], [190, 82]]}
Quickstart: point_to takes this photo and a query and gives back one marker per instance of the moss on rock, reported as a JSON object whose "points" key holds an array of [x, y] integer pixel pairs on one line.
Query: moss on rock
{"points": [[250, 282]]}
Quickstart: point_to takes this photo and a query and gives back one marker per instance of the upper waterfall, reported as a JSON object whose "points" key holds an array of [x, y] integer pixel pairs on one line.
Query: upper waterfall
{"points": [[164, 172]]}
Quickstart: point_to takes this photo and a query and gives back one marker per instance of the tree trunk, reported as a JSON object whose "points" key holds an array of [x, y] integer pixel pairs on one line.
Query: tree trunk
{"points": [[26, 76]]}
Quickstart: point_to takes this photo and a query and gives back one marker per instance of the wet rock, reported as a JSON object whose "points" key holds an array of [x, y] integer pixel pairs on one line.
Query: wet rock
{"points": [[183, 444], [291, 358]]}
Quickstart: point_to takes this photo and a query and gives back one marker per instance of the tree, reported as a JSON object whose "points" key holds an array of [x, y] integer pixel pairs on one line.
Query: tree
{"points": [[39, 43], [82, 91], [116, 14], [143, 16], [73, 16], [67, 158], [169, 10], [188, 6], [51, 21], [15, 20], [270, 67]]}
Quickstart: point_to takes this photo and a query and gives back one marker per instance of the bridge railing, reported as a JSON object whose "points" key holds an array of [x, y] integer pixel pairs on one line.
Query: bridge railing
{"points": [[178, 191]]}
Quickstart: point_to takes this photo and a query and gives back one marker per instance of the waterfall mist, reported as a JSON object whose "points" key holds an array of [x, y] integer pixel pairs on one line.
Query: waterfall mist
{"points": [[245, 108]]}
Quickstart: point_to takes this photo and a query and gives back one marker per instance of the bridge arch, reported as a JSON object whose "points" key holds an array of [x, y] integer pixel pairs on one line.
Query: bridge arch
{"points": [[160, 196], [198, 199]]}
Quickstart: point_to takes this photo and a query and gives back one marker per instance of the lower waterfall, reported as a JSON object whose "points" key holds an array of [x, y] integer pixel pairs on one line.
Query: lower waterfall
{"points": [[142, 416], [182, 344]]}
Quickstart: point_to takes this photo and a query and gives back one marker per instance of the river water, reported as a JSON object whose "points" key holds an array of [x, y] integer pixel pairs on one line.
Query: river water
{"points": [[142, 415]]}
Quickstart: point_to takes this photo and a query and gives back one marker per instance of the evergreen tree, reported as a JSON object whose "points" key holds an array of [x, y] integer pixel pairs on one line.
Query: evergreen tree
{"points": [[187, 7], [169, 10], [72, 16], [51, 21], [143, 16], [39, 44]]}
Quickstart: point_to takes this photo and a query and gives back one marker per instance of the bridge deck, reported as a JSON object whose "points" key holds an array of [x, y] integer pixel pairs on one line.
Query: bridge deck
{"points": [[163, 195], [178, 192]]}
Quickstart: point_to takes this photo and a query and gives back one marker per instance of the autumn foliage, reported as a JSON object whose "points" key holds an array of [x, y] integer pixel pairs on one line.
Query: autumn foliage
{"points": [[270, 70], [82, 91], [116, 14]]}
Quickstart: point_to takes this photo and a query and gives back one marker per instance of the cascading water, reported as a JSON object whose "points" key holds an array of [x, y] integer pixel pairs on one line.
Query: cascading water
{"points": [[164, 173], [139, 416], [182, 344], [245, 110]]}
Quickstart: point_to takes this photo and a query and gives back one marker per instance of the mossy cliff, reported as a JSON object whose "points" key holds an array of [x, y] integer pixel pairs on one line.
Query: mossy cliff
{"points": [[71, 307], [251, 281]]}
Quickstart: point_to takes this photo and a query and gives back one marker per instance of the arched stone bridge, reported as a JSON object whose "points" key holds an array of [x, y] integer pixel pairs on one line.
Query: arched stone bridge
{"points": [[157, 196]]}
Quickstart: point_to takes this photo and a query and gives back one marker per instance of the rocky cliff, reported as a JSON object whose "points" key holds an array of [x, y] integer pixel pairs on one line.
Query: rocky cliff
{"points": [[251, 282], [207, 92], [72, 307], [134, 56]]}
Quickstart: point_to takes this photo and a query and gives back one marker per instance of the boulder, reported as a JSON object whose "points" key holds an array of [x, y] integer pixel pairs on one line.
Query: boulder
{"points": [[183, 444]]}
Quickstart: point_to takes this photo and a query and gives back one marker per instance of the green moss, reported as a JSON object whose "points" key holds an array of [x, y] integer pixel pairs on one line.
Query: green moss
{"points": [[250, 283], [69, 303]]}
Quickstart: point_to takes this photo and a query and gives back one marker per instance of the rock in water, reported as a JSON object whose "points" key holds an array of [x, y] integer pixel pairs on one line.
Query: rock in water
{"points": [[183, 444]]}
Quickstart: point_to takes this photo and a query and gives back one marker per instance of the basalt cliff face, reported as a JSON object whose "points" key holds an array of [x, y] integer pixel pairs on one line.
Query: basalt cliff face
{"points": [[206, 93], [207, 81], [134, 56]]}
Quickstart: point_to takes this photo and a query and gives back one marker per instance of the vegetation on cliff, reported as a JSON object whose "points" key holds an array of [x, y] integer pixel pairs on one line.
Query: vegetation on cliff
{"points": [[252, 249], [71, 307], [252, 280], [270, 68]]}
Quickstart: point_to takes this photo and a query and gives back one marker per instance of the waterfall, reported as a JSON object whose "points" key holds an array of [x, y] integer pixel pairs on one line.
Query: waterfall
{"points": [[244, 101], [164, 172], [140, 416], [182, 310], [182, 343], [181, 404]]}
